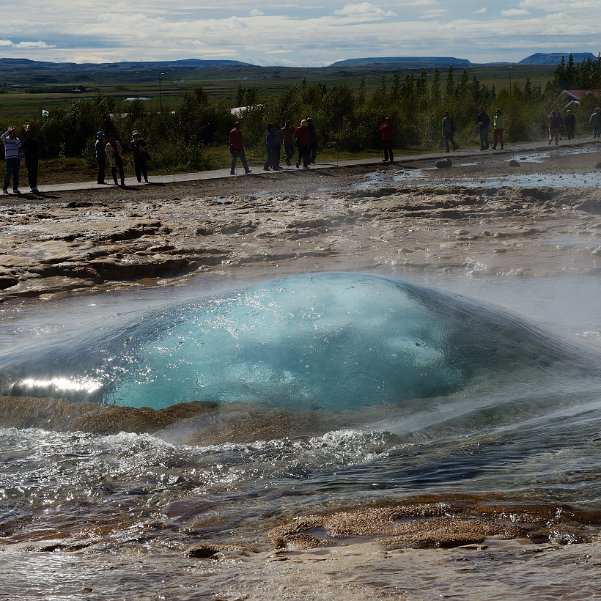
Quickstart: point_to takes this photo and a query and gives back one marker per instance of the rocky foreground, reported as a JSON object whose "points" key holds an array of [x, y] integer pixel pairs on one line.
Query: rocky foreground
{"points": [[359, 218], [380, 218]]}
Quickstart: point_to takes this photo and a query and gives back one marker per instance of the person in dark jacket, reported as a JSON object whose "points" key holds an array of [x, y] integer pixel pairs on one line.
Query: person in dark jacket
{"points": [[312, 141], [288, 137], [302, 141], [483, 125], [570, 124], [387, 136], [137, 147], [100, 149], [448, 131], [272, 145], [31, 151]]}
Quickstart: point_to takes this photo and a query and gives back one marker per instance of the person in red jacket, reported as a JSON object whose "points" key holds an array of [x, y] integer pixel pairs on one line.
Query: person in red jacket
{"points": [[303, 141], [387, 134], [236, 141]]}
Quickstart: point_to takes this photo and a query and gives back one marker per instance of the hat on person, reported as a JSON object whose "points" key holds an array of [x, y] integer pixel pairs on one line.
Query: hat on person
{"points": [[304, 122], [100, 134], [135, 133], [11, 128]]}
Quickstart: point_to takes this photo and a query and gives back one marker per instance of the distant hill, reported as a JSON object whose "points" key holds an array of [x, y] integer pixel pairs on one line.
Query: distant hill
{"points": [[554, 58], [21, 71], [406, 62]]}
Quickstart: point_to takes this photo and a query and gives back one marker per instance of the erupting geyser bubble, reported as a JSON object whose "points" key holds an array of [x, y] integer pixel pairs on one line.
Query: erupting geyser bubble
{"points": [[334, 340]]}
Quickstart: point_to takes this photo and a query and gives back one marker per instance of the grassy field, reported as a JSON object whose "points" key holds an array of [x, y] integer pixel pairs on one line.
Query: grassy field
{"points": [[17, 103]]}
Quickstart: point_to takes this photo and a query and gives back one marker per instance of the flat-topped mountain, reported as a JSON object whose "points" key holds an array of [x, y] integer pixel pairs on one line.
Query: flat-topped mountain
{"points": [[407, 62], [554, 58]]}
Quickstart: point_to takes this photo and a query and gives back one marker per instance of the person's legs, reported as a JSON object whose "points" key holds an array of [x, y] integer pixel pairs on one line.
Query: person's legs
{"points": [[121, 172], [8, 172], [15, 163], [32, 175], [101, 171], [242, 156], [234, 160], [144, 169], [114, 174], [138, 170]]}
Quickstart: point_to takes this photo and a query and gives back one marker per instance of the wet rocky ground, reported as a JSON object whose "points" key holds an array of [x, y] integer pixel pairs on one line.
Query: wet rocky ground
{"points": [[491, 214], [483, 215]]}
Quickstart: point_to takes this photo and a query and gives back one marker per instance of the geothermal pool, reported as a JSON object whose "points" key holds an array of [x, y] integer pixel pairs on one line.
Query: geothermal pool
{"points": [[324, 390]]}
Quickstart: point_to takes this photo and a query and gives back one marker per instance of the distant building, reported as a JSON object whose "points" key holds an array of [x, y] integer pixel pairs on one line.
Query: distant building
{"points": [[570, 98]]}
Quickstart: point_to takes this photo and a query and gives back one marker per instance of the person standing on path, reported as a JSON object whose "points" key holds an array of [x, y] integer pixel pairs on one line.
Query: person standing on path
{"points": [[498, 130], [387, 135], [114, 152], [100, 149], [483, 124], [137, 147], [12, 148], [312, 140], [31, 151], [288, 137], [302, 139], [272, 146], [595, 122], [236, 142], [570, 124], [554, 127], [448, 131]]}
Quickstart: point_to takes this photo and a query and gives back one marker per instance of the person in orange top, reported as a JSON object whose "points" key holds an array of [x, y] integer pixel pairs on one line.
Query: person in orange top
{"points": [[387, 134]]}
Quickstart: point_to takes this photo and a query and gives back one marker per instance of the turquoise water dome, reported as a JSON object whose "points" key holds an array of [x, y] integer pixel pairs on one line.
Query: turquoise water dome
{"points": [[330, 340]]}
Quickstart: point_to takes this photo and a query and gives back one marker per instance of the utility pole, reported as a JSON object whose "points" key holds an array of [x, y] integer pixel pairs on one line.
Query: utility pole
{"points": [[161, 93]]}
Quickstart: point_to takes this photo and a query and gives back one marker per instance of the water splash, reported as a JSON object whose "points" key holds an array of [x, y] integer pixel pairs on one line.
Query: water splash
{"points": [[336, 340]]}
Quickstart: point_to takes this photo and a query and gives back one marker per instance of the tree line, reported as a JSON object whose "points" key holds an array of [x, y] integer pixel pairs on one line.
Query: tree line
{"points": [[347, 118]]}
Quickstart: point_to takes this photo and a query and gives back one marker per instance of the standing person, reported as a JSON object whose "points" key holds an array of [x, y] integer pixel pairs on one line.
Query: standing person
{"points": [[595, 122], [236, 142], [570, 124], [31, 151], [387, 135], [137, 146], [302, 140], [448, 131], [498, 129], [554, 127], [12, 147], [278, 149], [483, 124], [114, 152], [272, 145], [100, 149], [312, 140], [288, 138]]}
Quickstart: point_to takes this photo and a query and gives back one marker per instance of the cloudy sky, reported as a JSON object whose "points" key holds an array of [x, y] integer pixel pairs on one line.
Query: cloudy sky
{"points": [[310, 33]]}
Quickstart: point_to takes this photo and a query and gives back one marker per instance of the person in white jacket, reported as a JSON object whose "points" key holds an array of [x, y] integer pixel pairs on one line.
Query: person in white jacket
{"points": [[114, 153], [12, 149]]}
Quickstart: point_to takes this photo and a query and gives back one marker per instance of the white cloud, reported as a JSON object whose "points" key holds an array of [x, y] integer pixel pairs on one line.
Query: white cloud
{"points": [[255, 12], [514, 12], [481, 11], [363, 9], [38, 44]]}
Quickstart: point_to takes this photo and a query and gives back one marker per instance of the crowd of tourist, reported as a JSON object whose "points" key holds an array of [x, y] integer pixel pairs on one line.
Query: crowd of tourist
{"points": [[299, 141]]}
